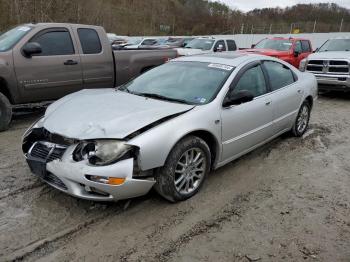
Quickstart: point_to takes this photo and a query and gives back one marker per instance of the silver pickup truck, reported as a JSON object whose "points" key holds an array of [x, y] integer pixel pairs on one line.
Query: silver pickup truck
{"points": [[43, 62], [330, 64]]}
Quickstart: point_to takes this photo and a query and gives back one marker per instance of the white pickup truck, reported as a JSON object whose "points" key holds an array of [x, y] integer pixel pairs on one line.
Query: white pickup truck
{"points": [[330, 64]]}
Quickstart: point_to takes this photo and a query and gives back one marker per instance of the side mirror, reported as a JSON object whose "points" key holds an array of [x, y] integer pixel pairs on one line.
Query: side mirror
{"points": [[296, 53], [219, 48], [253, 46], [237, 98], [31, 48]]}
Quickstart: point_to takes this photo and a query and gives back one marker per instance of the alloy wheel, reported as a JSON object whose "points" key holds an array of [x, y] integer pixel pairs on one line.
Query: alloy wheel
{"points": [[190, 170]]}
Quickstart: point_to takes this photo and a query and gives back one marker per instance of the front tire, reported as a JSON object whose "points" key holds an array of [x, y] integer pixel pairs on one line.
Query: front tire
{"points": [[185, 170], [302, 122], [5, 113]]}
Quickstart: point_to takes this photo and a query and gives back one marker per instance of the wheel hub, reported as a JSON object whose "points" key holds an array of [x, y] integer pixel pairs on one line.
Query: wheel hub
{"points": [[190, 170]]}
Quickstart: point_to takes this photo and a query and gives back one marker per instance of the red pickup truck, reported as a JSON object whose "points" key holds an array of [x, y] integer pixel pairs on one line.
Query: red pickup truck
{"points": [[291, 50]]}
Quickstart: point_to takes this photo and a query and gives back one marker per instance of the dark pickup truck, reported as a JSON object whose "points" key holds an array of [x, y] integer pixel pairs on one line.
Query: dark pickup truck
{"points": [[44, 62]]}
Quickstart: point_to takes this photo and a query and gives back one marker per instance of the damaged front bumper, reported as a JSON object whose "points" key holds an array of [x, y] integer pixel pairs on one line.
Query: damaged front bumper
{"points": [[71, 177]]}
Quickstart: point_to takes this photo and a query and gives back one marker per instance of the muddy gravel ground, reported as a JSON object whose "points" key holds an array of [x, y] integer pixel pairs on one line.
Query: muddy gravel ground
{"points": [[287, 201]]}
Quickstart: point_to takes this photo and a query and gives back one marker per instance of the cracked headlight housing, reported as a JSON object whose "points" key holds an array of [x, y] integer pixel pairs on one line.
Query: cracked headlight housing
{"points": [[103, 152]]}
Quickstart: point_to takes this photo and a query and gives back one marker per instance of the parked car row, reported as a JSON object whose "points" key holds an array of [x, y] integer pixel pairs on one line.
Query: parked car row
{"points": [[175, 114]]}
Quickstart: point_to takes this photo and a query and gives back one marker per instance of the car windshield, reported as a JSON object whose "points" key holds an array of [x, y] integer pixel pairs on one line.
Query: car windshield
{"points": [[10, 38], [275, 44], [183, 82], [335, 45], [204, 44]]}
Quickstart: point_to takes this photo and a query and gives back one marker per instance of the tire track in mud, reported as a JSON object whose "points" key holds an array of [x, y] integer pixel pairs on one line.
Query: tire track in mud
{"points": [[41, 247], [235, 208], [22, 190]]}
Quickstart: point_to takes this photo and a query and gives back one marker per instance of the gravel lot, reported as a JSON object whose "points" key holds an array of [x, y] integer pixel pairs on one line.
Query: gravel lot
{"points": [[289, 200]]}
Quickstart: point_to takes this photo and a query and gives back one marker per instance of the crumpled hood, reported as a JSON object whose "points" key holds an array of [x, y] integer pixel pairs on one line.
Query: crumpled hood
{"points": [[191, 51], [105, 113], [269, 52], [330, 55]]}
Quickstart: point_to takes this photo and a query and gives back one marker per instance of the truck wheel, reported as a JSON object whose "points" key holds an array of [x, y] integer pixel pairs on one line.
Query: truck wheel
{"points": [[185, 170], [5, 113], [302, 122]]}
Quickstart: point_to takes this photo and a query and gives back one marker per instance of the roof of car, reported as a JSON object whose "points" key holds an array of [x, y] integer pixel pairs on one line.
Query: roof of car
{"points": [[287, 38], [226, 58]]}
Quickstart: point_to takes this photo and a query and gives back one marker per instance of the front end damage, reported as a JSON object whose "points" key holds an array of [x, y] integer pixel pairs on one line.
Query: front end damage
{"points": [[65, 165]]}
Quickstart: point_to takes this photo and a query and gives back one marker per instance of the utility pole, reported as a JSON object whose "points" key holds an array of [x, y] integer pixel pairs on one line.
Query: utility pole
{"points": [[314, 29], [341, 24], [270, 30], [242, 28], [291, 28]]}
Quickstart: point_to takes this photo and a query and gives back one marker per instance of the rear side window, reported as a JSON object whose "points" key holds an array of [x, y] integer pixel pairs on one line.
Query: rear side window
{"points": [[279, 75], [231, 45], [54, 43], [220, 42], [252, 80], [149, 42], [90, 42], [305, 45]]}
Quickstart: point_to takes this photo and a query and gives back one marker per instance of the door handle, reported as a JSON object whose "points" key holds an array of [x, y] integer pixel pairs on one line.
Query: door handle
{"points": [[268, 103], [70, 62], [299, 91]]}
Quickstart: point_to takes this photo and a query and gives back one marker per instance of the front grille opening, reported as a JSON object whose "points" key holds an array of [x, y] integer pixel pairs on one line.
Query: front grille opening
{"points": [[314, 68], [54, 180], [316, 62], [344, 63], [47, 152], [339, 69]]}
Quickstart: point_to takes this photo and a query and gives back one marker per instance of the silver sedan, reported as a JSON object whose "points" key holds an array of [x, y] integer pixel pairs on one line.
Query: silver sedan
{"points": [[169, 127]]}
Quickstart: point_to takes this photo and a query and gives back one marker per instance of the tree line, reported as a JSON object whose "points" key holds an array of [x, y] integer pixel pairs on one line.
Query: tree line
{"points": [[175, 17]]}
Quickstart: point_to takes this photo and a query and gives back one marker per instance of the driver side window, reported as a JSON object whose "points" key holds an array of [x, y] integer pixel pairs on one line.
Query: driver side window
{"points": [[220, 42], [298, 47], [252, 80]]}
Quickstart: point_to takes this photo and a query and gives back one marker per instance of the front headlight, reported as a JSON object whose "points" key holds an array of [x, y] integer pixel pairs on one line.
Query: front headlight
{"points": [[103, 152], [302, 65]]}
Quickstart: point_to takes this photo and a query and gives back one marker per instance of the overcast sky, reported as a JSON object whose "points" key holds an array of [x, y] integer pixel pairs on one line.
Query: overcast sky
{"points": [[247, 5]]}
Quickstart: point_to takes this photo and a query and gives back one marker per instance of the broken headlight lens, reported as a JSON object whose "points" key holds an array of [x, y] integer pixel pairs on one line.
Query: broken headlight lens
{"points": [[103, 152]]}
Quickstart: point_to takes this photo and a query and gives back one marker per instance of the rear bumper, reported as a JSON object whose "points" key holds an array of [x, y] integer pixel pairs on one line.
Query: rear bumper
{"points": [[333, 82], [70, 177]]}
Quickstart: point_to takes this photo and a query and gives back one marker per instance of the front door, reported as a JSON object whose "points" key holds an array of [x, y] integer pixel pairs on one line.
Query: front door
{"points": [[53, 73], [247, 125]]}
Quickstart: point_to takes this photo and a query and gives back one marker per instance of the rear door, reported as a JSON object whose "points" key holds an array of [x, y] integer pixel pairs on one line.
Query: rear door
{"points": [[247, 125], [285, 94], [53, 73], [231, 45], [96, 57]]}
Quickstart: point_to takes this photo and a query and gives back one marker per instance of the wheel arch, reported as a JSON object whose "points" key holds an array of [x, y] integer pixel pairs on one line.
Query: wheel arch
{"points": [[209, 139], [4, 89], [310, 100]]}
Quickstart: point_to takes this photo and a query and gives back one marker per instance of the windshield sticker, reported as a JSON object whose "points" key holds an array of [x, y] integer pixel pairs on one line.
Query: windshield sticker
{"points": [[200, 99], [24, 28], [223, 67]]}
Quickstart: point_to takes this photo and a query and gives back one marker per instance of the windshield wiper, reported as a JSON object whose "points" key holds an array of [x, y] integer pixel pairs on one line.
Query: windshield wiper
{"points": [[157, 96]]}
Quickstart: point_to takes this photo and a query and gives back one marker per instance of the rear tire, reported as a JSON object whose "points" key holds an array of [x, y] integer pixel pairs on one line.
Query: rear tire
{"points": [[5, 112], [302, 121], [185, 170]]}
